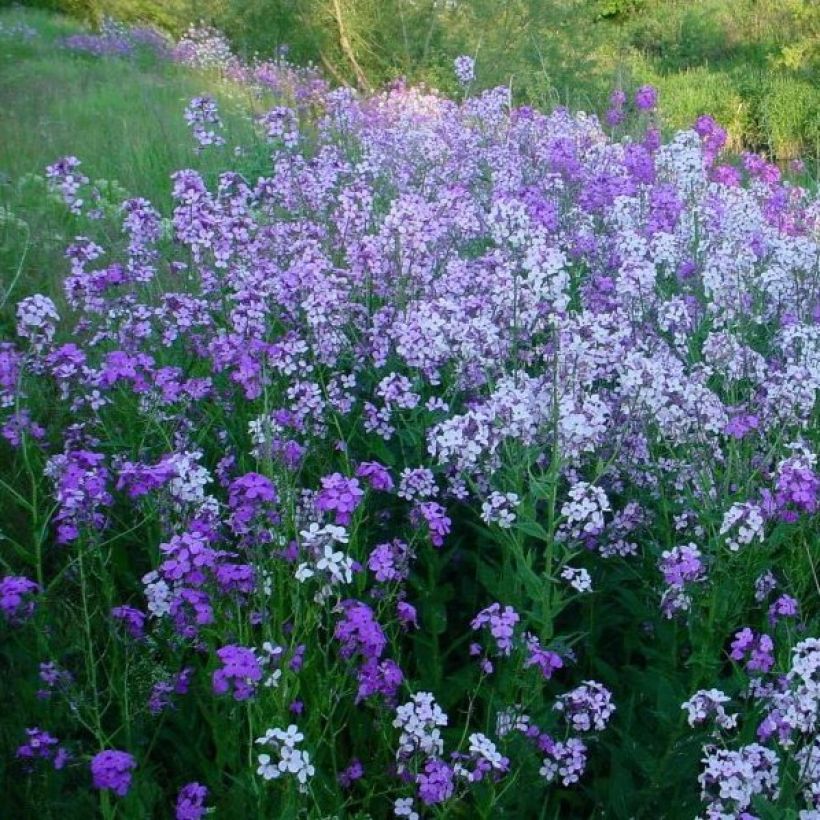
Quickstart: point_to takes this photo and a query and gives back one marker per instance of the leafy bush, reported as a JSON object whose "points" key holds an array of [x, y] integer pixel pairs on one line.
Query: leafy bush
{"points": [[790, 115]]}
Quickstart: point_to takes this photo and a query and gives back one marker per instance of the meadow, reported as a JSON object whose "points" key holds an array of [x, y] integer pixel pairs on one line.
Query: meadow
{"points": [[752, 64], [393, 452]]}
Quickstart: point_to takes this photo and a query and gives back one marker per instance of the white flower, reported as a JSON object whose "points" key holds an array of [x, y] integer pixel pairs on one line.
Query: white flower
{"points": [[272, 681], [338, 565], [292, 760], [303, 572], [578, 579], [290, 737], [511, 719], [482, 746], [267, 769], [403, 807]]}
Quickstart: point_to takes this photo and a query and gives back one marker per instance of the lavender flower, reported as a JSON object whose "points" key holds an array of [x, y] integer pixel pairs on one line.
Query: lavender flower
{"points": [[756, 650], [41, 745], [37, 320], [707, 703], [292, 760], [16, 603], [732, 779], [339, 495], [587, 707], [646, 98], [200, 113], [240, 673], [191, 802], [464, 68], [501, 624], [112, 770]]}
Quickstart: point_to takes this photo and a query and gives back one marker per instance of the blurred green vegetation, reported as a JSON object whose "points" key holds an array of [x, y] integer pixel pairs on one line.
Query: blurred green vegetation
{"points": [[754, 64]]}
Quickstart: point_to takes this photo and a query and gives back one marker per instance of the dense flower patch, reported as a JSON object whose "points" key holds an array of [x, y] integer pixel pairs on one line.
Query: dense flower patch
{"points": [[465, 461], [115, 39]]}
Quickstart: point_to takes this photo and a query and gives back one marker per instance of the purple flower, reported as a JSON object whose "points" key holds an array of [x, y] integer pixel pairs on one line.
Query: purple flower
{"points": [[52, 677], [190, 609], [417, 483], [798, 488], [297, 660], [784, 607], [501, 623], [10, 362], [251, 496], [239, 674], [201, 112], [390, 562], [665, 208], [41, 745], [17, 425], [756, 650], [160, 698], [188, 558], [379, 678], [731, 779], [64, 178], [112, 769], [617, 99], [348, 776], [652, 139], [376, 475], [436, 782], [681, 565], [438, 522], [37, 320], [741, 425], [81, 488], [407, 615], [281, 125], [15, 598], [545, 660], [727, 175], [587, 707], [132, 618], [191, 802], [340, 495], [464, 68], [646, 98], [359, 632], [615, 116]]}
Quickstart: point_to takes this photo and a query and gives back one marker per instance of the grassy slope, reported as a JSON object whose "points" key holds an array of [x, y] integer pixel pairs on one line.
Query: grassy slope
{"points": [[124, 121]]}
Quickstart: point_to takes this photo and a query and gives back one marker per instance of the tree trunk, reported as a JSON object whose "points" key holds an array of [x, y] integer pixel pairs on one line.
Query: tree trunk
{"points": [[347, 48]]}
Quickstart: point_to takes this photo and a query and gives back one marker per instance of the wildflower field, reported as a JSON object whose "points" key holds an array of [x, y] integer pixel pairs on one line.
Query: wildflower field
{"points": [[396, 455]]}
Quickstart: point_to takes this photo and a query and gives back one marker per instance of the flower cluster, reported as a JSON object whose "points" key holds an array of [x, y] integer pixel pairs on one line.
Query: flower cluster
{"points": [[344, 436], [464, 68], [200, 113], [681, 567], [292, 760], [239, 674], [16, 601], [41, 745], [112, 770]]}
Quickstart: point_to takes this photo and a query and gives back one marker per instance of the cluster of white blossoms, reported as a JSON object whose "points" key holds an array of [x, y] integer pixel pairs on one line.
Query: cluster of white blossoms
{"points": [[419, 720], [332, 566], [583, 513], [742, 524], [291, 760]]}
